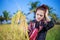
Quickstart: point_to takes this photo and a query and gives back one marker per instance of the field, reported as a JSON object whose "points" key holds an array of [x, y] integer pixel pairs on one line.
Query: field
{"points": [[54, 33], [12, 33]]}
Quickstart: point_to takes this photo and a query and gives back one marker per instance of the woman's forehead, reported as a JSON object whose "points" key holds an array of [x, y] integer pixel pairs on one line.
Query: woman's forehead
{"points": [[40, 12]]}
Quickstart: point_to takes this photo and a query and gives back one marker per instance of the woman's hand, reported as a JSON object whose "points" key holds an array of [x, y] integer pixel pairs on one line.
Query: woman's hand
{"points": [[46, 15]]}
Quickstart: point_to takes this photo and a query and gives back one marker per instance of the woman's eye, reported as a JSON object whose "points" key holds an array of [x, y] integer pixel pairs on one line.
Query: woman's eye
{"points": [[41, 15], [37, 14]]}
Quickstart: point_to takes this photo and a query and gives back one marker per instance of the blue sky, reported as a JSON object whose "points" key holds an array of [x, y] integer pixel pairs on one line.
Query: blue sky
{"points": [[13, 5]]}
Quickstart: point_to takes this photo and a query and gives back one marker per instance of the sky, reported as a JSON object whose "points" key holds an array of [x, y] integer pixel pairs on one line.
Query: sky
{"points": [[13, 5]]}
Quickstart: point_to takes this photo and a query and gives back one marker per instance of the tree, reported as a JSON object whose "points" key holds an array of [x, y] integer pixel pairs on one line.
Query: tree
{"points": [[33, 6], [6, 15], [52, 14]]}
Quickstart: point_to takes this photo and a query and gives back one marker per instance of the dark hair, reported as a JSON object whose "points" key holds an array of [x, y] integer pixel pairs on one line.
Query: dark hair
{"points": [[42, 7]]}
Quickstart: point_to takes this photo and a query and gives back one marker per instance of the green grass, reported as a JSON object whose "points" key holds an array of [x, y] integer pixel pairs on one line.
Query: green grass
{"points": [[54, 33], [8, 33]]}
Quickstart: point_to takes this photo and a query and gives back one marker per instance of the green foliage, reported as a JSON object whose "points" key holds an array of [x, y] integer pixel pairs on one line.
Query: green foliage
{"points": [[33, 6], [54, 33], [6, 15]]}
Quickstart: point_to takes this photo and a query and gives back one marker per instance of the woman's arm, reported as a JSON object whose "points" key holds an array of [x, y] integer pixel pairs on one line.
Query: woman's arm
{"points": [[50, 22]]}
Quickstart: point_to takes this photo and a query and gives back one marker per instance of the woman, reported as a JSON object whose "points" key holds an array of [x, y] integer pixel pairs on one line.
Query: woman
{"points": [[41, 24]]}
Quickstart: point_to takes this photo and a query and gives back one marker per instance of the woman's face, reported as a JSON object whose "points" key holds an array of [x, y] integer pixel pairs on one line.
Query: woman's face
{"points": [[39, 15]]}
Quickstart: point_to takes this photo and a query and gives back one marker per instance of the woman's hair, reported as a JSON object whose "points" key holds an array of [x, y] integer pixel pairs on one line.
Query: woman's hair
{"points": [[42, 7]]}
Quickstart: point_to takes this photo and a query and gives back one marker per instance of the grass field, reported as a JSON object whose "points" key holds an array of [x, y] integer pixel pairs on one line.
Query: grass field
{"points": [[54, 33], [7, 33]]}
